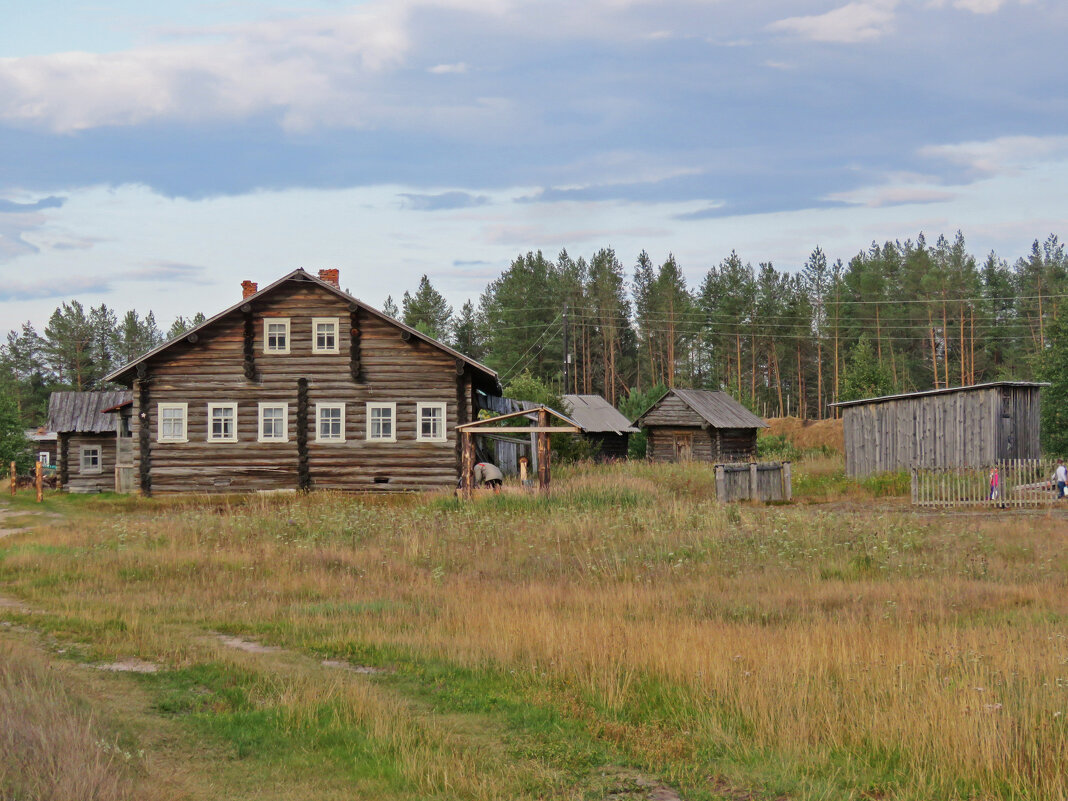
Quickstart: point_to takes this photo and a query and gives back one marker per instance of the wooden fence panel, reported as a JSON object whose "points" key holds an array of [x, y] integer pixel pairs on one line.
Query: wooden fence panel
{"points": [[1009, 483], [744, 481]]}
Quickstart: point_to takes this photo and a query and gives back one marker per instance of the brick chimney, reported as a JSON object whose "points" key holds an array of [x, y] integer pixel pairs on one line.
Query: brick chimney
{"points": [[248, 288], [330, 277]]}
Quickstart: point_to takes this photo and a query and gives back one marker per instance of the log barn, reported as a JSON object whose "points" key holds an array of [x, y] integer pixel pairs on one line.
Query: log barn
{"points": [[300, 386], [956, 427], [93, 432], [701, 425], [602, 425]]}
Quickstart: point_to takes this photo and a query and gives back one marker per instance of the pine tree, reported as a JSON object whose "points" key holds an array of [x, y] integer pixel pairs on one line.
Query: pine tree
{"points": [[69, 346], [429, 309], [389, 308], [467, 332]]}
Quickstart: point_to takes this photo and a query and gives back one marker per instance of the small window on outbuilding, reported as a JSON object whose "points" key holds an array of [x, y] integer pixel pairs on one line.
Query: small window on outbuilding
{"points": [[90, 459]]}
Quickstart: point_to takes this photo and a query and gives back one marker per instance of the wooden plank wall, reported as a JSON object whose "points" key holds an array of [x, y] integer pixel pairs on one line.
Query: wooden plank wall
{"points": [[77, 481], [968, 428], [213, 370]]}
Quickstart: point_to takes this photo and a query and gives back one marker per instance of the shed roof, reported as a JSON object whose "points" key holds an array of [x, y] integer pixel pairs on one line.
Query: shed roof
{"points": [[83, 412], [489, 377], [716, 408], [944, 391], [596, 415]]}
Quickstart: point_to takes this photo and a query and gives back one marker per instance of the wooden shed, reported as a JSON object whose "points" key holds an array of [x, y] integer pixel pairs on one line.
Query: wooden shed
{"points": [[298, 386], [700, 424], [957, 427], [602, 424], [93, 431]]}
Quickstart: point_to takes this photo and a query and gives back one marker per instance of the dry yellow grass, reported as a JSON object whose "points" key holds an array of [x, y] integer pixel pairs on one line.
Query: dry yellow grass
{"points": [[799, 649], [805, 434]]}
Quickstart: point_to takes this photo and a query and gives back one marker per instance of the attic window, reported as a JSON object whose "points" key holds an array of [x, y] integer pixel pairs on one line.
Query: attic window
{"points": [[276, 335], [324, 333]]}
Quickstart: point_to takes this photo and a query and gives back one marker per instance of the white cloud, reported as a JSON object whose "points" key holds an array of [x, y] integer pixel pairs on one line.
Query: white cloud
{"points": [[855, 22], [878, 197], [1006, 154], [449, 69]]}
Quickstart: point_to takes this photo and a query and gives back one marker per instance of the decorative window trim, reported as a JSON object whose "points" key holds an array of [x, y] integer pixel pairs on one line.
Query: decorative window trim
{"points": [[184, 409], [289, 338], [86, 471], [285, 422], [336, 322], [211, 408], [393, 421], [319, 408], [419, 407]]}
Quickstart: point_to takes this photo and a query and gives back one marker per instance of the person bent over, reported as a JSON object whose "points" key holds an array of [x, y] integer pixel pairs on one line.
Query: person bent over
{"points": [[489, 475]]}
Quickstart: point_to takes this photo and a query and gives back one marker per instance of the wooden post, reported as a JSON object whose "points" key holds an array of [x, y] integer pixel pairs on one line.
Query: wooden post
{"points": [[468, 466], [913, 479], [543, 452], [754, 489], [37, 482], [787, 482], [523, 471], [13, 480], [721, 484]]}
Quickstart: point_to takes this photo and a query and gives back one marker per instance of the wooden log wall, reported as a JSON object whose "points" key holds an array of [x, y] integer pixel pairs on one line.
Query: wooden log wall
{"points": [[390, 370], [79, 481], [968, 428]]}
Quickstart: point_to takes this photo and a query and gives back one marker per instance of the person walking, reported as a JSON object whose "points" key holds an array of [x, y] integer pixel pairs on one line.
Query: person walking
{"points": [[1060, 475]]}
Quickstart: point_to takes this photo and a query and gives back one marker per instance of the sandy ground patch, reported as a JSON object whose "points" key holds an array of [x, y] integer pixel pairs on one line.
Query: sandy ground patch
{"points": [[341, 664], [129, 666], [249, 646]]}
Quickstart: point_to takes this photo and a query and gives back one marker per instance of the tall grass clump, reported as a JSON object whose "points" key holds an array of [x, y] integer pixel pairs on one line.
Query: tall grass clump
{"points": [[51, 747]]}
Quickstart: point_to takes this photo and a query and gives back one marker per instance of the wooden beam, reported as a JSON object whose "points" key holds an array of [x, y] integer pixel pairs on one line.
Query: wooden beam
{"points": [[473, 429], [468, 468], [543, 450]]}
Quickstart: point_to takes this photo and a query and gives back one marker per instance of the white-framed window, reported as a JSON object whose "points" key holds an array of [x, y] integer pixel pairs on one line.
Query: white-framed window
{"points": [[222, 422], [172, 425], [274, 422], [276, 335], [90, 459], [44, 457], [325, 333], [382, 422], [430, 422], [330, 422]]}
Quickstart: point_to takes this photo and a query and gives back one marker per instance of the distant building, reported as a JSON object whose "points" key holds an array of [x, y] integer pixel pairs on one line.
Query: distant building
{"points": [[602, 425], [93, 431], [957, 427], [44, 445], [701, 425]]}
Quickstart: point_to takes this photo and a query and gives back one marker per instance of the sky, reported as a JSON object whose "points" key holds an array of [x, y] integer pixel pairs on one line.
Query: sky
{"points": [[154, 155]]}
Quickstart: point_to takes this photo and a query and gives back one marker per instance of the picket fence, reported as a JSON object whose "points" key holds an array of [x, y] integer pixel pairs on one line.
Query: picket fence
{"points": [[1012, 483]]}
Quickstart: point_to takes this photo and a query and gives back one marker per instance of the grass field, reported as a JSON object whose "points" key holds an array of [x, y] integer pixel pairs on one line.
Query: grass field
{"points": [[628, 638]]}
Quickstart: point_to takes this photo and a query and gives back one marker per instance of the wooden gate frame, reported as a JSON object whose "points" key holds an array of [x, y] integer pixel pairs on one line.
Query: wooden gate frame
{"points": [[468, 430]]}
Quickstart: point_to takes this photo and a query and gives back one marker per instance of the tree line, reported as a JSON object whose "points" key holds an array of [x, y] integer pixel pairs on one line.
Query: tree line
{"points": [[897, 317]]}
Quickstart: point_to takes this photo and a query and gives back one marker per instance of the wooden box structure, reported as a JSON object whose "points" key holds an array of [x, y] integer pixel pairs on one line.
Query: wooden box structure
{"points": [[301, 386], [972, 426], [701, 425], [602, 425], [94, 436]]}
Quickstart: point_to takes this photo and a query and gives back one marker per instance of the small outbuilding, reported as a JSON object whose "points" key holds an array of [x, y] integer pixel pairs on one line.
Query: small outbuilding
{"points": [[93, 430], [701, 425], [603, 425], [972, 426]]}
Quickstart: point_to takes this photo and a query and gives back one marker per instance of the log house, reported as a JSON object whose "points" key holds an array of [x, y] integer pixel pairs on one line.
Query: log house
{"points": [[301, 386]]}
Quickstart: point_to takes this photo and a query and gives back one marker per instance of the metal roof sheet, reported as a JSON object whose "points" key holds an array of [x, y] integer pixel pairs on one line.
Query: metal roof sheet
{"points": [[595, 414], [717, 408], [83, 412], [943, 391]]}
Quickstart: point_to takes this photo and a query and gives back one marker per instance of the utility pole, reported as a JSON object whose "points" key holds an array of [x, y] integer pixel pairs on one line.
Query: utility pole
{"points": [[567, 358]]}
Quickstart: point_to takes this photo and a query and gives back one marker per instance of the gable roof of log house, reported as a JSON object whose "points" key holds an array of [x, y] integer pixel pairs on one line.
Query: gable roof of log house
{"points": [[595, 415], [84, 412], [716, 408], [490, 379]]}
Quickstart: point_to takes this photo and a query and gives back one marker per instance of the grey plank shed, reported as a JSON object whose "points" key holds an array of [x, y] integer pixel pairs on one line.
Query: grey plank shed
{"points": [[957, 427]]}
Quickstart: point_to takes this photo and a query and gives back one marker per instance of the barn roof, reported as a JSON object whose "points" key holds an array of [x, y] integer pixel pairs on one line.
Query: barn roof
{"points": [[595, 415], [944, 391], [716, 408], [83, 412], [125, 373]]}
